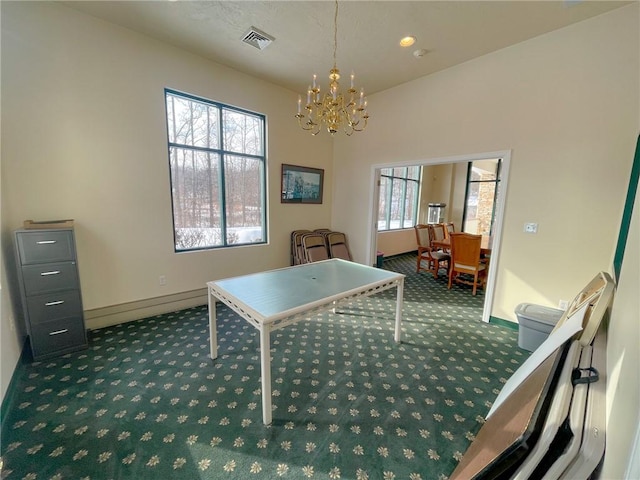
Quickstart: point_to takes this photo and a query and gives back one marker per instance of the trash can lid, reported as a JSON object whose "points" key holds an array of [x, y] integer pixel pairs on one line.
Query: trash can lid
{"points": [[539, 312]]}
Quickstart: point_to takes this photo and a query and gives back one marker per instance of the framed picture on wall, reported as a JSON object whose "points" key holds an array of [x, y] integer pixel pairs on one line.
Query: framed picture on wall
{"points": [[301, 184]]}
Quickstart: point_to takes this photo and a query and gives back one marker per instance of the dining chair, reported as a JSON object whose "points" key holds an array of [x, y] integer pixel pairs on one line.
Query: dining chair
{"points": [[435, 259], [438, 232], [465, 259]]}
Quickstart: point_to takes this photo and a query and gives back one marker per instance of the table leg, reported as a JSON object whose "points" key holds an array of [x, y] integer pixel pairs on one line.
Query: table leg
{"points": [[265, 372], [399, 300], [213, 330]]}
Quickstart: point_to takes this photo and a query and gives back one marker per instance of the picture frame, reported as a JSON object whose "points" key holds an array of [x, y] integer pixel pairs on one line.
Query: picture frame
{"points": [[301, 184]]}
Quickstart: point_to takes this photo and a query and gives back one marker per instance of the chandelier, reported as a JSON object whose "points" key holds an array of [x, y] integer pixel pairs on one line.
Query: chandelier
{"points": [[335, 110]]}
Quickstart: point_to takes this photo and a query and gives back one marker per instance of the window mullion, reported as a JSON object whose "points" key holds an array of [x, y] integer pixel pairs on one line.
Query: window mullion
{"points": [[221, 180], [212, 212], [416, 201], [403, 201], [387, 219]]}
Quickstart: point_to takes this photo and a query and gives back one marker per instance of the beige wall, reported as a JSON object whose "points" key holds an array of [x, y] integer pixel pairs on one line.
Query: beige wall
{"points": [[458, 190], [435, 188], [444, 183], [395, 242], [83, 137], [565, 104]]}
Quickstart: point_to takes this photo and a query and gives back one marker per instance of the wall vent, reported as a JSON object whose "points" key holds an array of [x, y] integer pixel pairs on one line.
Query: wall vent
{"points": [[257, 38]]}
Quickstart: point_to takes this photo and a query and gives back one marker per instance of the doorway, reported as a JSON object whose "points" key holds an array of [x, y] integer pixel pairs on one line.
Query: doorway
{"points": [[498, 206]]}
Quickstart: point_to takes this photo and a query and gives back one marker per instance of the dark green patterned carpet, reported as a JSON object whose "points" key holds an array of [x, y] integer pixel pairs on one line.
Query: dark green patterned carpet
{"points": [[146, 402]]}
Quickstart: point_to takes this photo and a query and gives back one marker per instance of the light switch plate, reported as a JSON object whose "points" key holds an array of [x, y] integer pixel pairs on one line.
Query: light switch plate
{"points": [[531, 228]]}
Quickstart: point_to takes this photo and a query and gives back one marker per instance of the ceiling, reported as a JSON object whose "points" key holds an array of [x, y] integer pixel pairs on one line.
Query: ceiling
{"points": [[369, 32]]}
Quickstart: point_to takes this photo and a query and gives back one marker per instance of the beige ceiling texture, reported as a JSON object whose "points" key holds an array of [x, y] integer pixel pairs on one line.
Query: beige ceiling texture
{"points": [[369, 32]]}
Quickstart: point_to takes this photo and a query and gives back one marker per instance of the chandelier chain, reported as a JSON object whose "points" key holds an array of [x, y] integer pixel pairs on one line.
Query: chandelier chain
{"points": [[335, 35]]}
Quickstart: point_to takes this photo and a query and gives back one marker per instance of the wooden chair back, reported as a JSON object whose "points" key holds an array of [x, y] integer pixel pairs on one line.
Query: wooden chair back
{"points": [[449, 229], [423, 240], [465, 259], [465, 250], [437, 231]]}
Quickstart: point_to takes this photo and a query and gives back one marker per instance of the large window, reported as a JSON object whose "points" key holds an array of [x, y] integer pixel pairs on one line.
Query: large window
{"points": [[398, 203], [483, 188], [217, 164]]}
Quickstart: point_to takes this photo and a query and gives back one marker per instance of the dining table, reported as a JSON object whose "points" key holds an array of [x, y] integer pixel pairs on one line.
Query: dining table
{"points": [[445, 244], [275, 299]]}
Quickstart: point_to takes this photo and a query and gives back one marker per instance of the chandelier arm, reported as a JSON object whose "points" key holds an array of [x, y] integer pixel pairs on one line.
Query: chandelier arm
{"points": [[366, 118], [306, 125]]}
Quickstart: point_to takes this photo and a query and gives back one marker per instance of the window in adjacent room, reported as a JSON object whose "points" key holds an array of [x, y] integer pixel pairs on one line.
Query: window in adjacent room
{"points": [[483, 188], [217, 165], [398, 204]]}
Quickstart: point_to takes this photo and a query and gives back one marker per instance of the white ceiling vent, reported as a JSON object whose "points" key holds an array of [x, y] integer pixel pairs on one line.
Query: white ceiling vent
{"points": [[257, 38]]}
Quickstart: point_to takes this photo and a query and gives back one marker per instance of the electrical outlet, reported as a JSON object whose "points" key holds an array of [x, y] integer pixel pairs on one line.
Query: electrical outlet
{"points": [[162, 280], [563, 304], [531, 228]]}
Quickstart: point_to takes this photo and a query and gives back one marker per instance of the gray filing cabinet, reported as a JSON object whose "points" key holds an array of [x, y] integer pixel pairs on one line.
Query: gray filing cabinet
{"points": [[50, 291]]}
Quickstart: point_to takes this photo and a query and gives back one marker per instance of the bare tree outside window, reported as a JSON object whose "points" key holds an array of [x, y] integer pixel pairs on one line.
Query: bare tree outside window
{"points": [[218, 175], [398, 199]]}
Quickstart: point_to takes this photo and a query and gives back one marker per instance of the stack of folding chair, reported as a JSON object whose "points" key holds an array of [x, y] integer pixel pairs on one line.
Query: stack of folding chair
{"points": [[320, 244], [297, 255]]}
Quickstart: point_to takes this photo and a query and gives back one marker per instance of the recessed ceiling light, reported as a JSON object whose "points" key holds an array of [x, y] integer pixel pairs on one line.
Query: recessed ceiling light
{"points": [[407, 41]]}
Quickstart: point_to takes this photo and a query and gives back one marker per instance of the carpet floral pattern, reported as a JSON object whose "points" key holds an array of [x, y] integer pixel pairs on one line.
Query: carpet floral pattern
{"points": [[146, 401]]}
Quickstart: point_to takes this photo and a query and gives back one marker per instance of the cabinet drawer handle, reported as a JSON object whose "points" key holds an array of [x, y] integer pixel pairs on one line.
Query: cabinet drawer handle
{"points": [[46, 242], [53, 272], [58, 332], [58, 302]]}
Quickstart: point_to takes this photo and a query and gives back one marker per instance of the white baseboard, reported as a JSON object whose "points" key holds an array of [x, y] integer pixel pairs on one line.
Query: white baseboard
{"points": [[127, 312]]}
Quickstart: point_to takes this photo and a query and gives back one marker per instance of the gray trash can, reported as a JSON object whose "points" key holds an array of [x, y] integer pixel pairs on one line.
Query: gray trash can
{"points": [[536, 323]]}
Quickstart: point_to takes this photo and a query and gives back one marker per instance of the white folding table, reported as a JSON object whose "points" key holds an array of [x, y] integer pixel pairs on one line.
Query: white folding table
{"points": [[277, 298]]}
